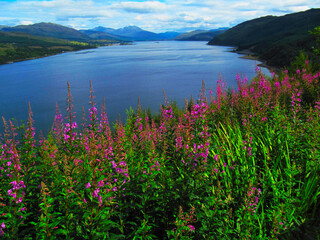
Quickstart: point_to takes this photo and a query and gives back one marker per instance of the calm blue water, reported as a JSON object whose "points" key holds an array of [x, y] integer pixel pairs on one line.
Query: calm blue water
{"points": [[121, 74]]}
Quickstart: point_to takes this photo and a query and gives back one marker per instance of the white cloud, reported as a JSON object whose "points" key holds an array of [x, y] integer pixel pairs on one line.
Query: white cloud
{"points": [[26, 22], [154, 15], [141, 7]]}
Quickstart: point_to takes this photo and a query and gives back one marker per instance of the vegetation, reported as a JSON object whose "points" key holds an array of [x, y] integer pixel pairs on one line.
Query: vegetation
{"points": [[200, 35], [278, 40], [19, 46], [243, 164], [316, 35]]}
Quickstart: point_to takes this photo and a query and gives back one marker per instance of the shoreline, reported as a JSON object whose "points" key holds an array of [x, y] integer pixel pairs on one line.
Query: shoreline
{"points": [[248, 54], [44, 56], [53, 54]]}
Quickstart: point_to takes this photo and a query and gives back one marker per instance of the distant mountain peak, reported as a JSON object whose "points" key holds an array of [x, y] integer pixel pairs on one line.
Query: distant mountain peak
{"points": [[102, 29], [131, 28]]}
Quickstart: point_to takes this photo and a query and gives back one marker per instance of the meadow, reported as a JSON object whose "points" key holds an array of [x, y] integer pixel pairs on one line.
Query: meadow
{"points": [[235, 164]]}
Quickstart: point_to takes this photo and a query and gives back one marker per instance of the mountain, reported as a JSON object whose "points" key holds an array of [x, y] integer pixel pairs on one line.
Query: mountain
{"points": [[200, 35], [97, 35], [49, 30], [3, 26], [276, 39], [168, 35], [185, 36], [132, 33], [103, 29], [137, 34]]}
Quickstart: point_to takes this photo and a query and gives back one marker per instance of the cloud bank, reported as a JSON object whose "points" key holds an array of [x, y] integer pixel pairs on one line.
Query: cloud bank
{"points": [[157, 16]]}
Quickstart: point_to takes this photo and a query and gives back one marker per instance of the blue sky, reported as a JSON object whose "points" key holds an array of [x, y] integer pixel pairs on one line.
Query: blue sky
{"points": [[156, 15]]}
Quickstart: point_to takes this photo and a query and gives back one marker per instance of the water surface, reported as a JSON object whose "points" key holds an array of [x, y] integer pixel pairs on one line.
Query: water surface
{"points": [[121, 74]]}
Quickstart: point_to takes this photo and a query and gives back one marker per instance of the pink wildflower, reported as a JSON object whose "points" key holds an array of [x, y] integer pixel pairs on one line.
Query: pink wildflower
{"points": [[192, 228]]}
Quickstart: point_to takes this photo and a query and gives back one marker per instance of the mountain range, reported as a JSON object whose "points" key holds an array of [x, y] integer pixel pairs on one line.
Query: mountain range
{"points": [[129, 33]]}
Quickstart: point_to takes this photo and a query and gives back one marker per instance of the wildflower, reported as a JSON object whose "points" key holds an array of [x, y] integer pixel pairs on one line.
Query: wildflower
{"points": [[168, 113], [22, 184], [88, 185], [3, 225], [92, 113], [100, 183], [23, 209], [74, 125], [95, 193], [122, 164], [192, 228], [100, 200]]}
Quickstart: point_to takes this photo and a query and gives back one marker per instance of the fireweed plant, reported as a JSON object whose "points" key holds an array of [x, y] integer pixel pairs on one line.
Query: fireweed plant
{"points": [[240, 164]]}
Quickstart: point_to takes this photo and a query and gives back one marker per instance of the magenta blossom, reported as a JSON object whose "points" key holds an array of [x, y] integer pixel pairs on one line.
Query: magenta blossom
{"points": [[192, 228]]}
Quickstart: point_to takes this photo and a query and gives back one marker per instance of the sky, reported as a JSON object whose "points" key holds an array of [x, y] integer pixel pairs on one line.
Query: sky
{"points": [[157, 15]]}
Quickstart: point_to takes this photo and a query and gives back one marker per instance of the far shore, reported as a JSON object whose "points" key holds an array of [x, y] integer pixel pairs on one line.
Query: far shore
{"points": [[65, 51]]}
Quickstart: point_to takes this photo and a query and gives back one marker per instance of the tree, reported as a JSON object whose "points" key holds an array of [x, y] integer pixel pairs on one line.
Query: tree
{"points": [[316, 34]]}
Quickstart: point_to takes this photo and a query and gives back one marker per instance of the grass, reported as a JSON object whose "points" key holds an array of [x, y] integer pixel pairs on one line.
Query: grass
{"points": [[236, 164]]}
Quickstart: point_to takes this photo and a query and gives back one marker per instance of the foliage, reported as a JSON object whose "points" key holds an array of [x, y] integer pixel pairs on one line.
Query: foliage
{"points": [[278, 40], [240, 164], [316, 34]]}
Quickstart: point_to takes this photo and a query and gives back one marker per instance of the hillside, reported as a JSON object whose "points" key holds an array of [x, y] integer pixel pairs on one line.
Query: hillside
{"points": [[97, 35], [49, 30], [276, 39], [20, 46], [199, 35]]}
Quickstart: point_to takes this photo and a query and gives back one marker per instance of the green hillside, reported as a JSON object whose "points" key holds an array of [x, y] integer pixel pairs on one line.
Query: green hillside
{"points": [[276, 39], [96, 35], [19, 46], [49, 30], [199, 35]]}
